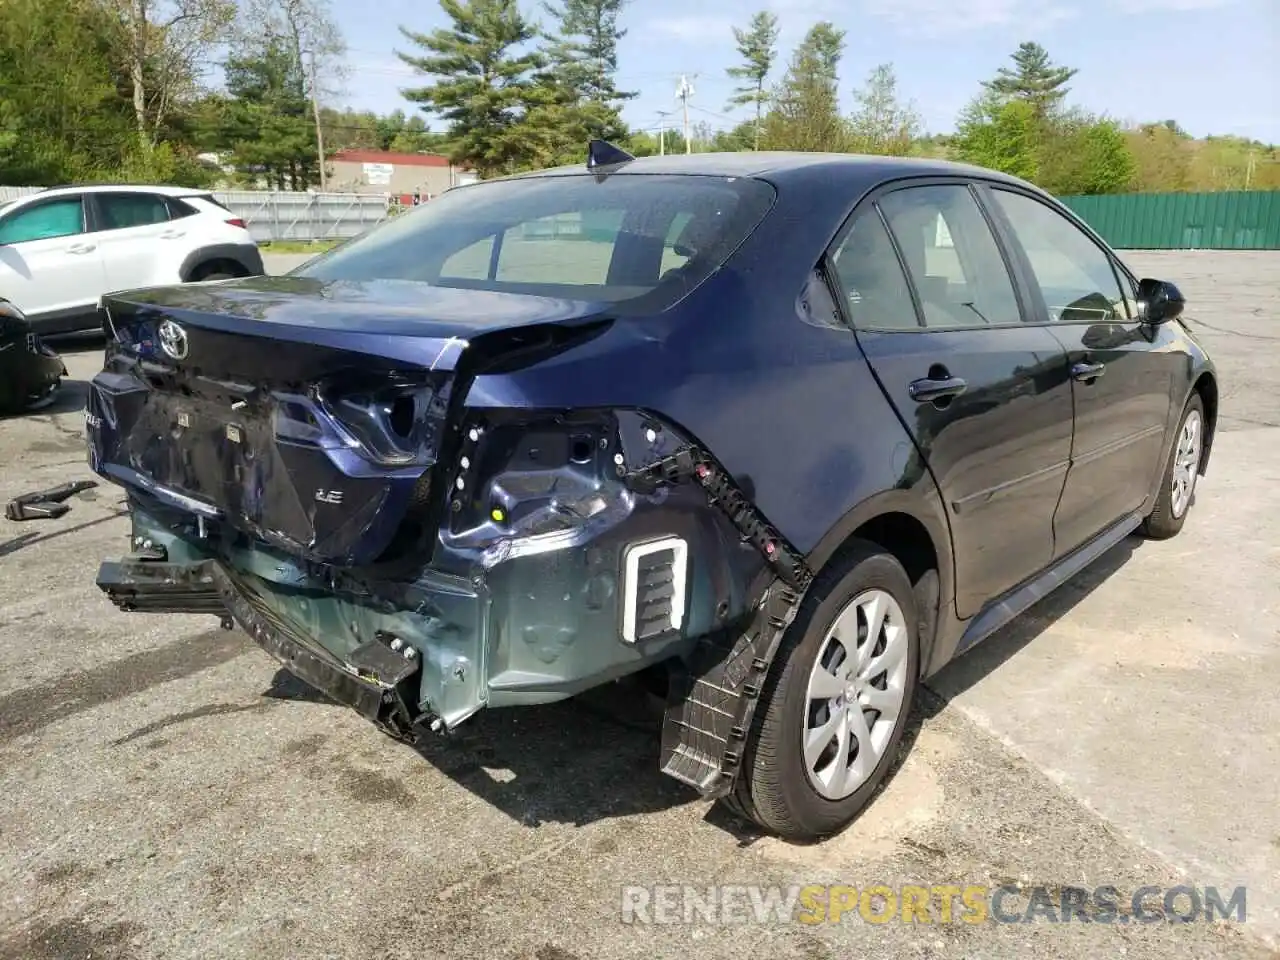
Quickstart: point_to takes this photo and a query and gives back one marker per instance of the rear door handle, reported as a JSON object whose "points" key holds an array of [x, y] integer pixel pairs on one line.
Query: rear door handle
{"points": [[82, 248], [930, 389], [1084, 372], [172, 234]]}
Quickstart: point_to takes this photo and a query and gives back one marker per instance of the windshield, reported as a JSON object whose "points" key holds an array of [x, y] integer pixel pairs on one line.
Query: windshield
{"points": [[641, 240]]}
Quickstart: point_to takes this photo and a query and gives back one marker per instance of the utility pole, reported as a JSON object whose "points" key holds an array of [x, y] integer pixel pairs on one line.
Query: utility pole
{"points": [[683, 93], [662, 131], [315, 109]]}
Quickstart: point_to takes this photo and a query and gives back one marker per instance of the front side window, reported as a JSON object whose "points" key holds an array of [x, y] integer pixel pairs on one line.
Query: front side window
{"points": [[46, 221], [643, 240], [952, 257], [123, 210], [1074, 274]]}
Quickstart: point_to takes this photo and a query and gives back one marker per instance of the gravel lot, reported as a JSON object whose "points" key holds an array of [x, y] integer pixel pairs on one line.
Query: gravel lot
{"points": [[169, 793]]}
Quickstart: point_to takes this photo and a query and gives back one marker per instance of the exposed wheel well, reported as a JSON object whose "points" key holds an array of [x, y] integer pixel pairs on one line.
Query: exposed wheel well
{"points": [[907, 539], [206, 267], [1207, 387]]}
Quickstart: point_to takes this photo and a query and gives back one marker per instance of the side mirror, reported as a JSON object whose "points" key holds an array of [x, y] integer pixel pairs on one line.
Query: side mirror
{"points": [[1159, 301]]}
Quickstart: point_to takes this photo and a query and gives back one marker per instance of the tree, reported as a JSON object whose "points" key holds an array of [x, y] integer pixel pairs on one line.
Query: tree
{"points": [[62, 117], [1081, 154], [268, 118], [501, 109], [583, 58], [306, 31], [805, 112], [585, 48], [1034, 78], [1162, 157], [999, 135], [758, 47], [162, 45], [881, 123]]}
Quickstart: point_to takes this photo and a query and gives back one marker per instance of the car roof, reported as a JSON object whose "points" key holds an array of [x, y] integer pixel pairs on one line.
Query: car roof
{"points": [[785, 167], [166, 191]]}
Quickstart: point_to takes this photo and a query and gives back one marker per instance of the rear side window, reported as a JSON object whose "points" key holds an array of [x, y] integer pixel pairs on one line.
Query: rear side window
{"points": [[179, 209], [639, 240], [120, 211], [210, 198], [63, 217], [952, 256], [872, 278]]}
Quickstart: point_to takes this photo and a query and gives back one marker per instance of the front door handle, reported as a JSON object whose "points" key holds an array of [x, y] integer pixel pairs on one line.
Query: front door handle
{"points": [[82, 248], [931, 389], [1087, 372]]}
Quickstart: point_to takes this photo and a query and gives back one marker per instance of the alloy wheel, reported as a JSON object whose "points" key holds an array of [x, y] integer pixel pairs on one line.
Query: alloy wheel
{"points": [[855, 695]]}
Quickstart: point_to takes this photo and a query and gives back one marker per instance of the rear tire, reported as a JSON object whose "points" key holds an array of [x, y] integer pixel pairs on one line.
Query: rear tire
{"points": [[1178, 481], [814, 761]]}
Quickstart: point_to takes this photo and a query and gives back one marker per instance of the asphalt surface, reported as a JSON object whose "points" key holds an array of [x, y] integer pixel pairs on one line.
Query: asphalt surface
{"points": [[167, 792]]}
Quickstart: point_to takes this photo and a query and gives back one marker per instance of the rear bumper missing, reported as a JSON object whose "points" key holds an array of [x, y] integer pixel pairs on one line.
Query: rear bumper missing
{"points": [[387, 697]]}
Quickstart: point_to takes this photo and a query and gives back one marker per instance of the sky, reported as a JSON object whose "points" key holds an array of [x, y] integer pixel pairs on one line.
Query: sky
{"points": [[1212, 65]]}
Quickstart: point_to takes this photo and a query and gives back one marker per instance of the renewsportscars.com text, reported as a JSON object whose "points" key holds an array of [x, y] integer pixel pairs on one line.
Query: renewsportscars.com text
{"points": [[937, 903]]}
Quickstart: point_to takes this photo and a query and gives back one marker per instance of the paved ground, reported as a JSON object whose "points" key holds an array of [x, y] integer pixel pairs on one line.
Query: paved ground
{"points": [[167, 793]]}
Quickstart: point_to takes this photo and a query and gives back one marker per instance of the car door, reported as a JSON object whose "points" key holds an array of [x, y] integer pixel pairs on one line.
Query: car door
{"points": [[134, 232], [984, 395], [1122, 370], [49, 264]]}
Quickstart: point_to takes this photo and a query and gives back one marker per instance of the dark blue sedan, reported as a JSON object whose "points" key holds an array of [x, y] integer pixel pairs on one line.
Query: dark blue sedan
{"points": [[791, 431]]}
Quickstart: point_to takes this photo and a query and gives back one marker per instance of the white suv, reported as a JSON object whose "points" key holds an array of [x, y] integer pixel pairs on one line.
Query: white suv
{"points": [[63, 248]]}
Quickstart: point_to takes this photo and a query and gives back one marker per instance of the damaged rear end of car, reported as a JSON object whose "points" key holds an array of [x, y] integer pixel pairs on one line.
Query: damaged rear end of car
{"points": [[358, 473]]}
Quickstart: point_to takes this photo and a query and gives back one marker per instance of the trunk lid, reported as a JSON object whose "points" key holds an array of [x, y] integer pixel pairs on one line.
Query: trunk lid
{"points": [[309, 414]]}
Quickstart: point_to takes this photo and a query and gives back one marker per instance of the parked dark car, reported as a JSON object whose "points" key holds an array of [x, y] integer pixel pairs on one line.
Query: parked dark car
{"points": [[797, 429], [31, 371]]}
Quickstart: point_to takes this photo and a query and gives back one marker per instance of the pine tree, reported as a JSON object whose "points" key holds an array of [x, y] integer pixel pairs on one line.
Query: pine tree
{"points": [[1034, 78], [757, 45], [584, 59], [585, 48], [806, 114], [489, 86]]}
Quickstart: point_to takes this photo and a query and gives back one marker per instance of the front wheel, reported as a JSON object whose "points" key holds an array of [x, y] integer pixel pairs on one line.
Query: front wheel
{"points": [[832, 714], [1178, 483]]}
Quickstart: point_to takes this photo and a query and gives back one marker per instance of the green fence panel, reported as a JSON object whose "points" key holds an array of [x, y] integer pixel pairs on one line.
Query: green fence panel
{"points": [[1230, 220]]}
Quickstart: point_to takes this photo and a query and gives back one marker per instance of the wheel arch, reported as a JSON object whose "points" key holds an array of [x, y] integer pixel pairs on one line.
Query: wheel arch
{"points": [[203, 259], [905, 526], [1206, 385]]}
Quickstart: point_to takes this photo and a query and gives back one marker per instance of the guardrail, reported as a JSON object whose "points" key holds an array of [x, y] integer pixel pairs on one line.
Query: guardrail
{"points": [[290, 216]]}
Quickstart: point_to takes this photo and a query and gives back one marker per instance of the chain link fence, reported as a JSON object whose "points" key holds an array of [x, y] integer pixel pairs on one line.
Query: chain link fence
{"points": [[274, 216]]}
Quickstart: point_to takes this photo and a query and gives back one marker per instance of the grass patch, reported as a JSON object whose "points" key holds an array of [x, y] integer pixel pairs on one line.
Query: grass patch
{"points": [[297, 246]]}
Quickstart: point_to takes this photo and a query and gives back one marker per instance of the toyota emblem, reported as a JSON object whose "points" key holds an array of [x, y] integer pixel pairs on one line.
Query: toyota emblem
{"points": [[173, 340]]}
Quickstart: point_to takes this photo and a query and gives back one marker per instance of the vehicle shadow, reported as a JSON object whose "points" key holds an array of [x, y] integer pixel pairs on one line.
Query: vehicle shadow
{"points": [[591, 758], [70, 398]]}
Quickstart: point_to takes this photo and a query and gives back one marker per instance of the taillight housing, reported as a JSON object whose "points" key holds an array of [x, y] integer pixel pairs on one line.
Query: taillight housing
{"points": [[392, 422], [237, 222]]}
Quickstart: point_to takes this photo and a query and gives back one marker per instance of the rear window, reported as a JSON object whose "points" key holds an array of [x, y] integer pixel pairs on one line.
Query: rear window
{"points": [[639, 240]]}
